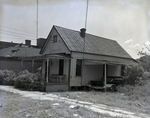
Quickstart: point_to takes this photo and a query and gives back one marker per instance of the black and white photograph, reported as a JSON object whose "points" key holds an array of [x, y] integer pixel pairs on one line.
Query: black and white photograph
{"points": [[74, 58]]}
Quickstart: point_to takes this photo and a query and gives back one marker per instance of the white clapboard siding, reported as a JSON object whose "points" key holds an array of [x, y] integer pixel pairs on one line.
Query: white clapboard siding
{"points": [[114, 70], [74, 80], [55, 47], [92, 72]]}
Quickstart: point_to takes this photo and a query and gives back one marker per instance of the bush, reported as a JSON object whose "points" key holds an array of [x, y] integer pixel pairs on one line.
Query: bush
{"points": [[7, 77], [29, 81], [137, 92], [145, 62], [146, 76], [133, 74]]}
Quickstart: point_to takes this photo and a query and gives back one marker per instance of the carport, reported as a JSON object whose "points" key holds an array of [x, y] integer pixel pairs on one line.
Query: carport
{"points": [[107, 67]]}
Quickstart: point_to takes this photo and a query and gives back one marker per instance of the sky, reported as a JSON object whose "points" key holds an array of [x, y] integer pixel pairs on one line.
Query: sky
{"points": [[126, 21]]}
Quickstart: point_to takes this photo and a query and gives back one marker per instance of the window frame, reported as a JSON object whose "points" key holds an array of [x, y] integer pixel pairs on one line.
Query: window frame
{"points": [[55, 39], [79, 67]]}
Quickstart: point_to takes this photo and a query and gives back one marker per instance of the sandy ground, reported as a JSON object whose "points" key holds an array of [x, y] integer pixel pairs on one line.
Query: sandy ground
{"points": [[53, 105]]}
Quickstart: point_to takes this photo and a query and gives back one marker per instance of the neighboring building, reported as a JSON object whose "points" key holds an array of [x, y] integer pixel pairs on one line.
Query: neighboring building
{"points": [[4, 44], [70, 61], [40, 42], [11, 57]]}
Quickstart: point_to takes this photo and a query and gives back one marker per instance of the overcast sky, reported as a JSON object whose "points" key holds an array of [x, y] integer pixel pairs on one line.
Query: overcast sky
{"points": [[126, 21]]}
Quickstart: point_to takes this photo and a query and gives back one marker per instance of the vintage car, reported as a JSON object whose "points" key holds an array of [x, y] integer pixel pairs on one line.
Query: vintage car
{"points": [[112, 83]]}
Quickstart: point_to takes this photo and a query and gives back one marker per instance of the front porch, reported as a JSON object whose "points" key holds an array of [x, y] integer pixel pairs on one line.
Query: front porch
{"points": [[56, 72], [57, 82]]}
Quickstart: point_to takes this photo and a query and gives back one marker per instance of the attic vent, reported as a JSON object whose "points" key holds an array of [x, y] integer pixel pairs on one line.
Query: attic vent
{"points": [[54, 38]]}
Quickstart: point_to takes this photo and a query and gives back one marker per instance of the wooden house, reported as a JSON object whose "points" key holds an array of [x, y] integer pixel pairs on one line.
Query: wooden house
{"points": [[72, 61]]}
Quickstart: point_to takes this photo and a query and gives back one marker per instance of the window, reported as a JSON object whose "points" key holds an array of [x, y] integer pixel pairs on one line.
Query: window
{"points": [[78, 67], [55, 38]]}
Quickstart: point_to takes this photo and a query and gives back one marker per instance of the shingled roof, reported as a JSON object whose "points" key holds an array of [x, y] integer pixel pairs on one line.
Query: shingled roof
{"points": [[93, 44], [19, 51]]}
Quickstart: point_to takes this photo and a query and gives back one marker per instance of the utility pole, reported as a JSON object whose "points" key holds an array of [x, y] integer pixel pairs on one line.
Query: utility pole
{"points": [[37, 21], [83, 33]]}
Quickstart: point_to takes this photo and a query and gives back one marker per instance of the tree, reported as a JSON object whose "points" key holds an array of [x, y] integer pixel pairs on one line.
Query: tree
{"points": [[133, 74], [144, 59], [145, 62]]}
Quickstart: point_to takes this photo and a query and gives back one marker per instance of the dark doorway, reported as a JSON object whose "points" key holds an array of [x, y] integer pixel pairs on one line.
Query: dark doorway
{"points": [[61, 66]]}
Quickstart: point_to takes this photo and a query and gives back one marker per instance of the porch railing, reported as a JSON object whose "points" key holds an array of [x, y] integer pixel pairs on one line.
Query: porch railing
{"points": [[55, 78]]}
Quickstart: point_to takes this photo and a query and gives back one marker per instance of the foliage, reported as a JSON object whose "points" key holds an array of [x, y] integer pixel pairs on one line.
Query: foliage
{"points": [[146, 76], [133, 74], [29, 81], [7, 77], [145, 62], [144, 51], [137, 92]]}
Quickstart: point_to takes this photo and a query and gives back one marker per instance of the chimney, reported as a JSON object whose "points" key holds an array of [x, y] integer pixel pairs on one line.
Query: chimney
{"points": [[40, 42], [28, 42], [82, 32]]}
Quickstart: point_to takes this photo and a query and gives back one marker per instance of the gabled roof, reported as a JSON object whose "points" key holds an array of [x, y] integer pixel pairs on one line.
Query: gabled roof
{"points": [[17, 51], [93, 44]]}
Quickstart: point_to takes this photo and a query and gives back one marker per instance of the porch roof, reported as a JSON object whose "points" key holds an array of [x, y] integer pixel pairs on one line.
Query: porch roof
{"points": [[101, 60], [109, 60], [51, 56]]}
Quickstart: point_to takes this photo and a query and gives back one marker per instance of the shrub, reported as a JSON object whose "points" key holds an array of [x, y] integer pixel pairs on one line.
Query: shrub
{"points": [[2, 76], [29, 81], [145, 62], [133, 74], [7, 77], [146, 75], [136, 92]]}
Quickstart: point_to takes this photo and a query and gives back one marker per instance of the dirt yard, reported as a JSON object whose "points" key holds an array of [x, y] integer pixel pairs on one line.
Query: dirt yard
{"points": [[16, 106], [28, 104], [111, 99]]}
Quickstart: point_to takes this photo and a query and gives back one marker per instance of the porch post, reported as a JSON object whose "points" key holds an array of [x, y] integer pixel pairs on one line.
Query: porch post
{"points": [[69, 74], [32, 65], [47, 70], [105, 78]]}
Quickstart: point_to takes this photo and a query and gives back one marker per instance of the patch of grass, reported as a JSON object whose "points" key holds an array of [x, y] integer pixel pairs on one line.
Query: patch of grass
{"points": [[114, 99], [138, 93], [16, 106]]}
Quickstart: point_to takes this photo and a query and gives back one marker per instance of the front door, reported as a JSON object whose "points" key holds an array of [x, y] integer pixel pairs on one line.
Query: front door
{"points": [[61, 66]]}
